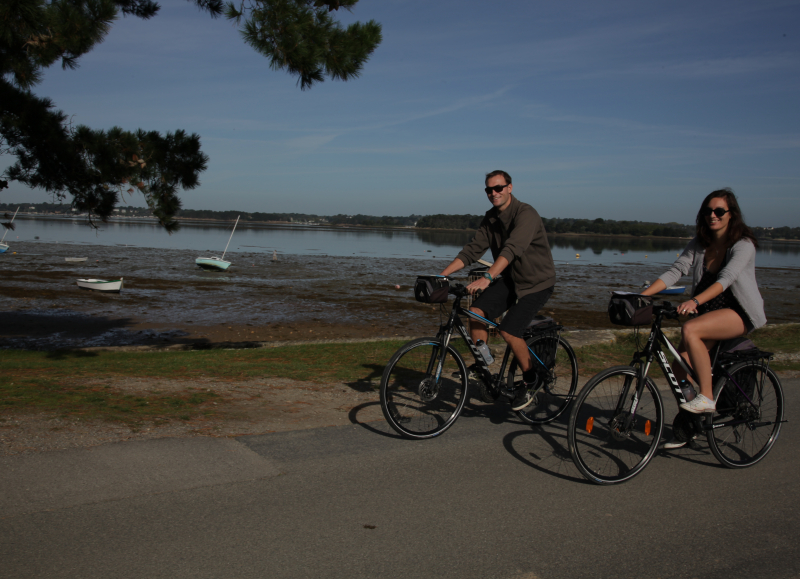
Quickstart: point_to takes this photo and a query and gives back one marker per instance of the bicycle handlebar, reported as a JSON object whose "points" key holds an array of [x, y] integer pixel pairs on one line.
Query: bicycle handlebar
{"points": [[458, 290], [669, 311]]}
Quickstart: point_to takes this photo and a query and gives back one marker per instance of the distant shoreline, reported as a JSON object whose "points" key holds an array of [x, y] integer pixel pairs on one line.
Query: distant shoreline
{"points": [[118, 218]]}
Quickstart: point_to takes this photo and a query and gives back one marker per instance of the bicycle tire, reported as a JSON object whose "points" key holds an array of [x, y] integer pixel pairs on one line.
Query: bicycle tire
{"points": [[413, 403], [602, 453], [554, 397], [739, 434]]}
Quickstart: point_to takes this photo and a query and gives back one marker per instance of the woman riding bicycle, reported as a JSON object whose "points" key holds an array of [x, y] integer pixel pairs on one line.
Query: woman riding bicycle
{"points": [[725, 294]]}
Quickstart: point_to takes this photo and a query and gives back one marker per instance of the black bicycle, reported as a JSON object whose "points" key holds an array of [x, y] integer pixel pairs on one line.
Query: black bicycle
{"points": [[425, 385], [616, 424]]}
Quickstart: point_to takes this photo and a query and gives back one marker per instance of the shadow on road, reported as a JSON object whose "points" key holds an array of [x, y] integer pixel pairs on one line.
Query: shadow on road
{"points": [[545, 449], [380, 426]]}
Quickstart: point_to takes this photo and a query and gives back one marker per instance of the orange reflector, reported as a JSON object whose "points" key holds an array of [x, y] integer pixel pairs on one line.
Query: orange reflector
{"points": [[647, 428], [589, 424]]}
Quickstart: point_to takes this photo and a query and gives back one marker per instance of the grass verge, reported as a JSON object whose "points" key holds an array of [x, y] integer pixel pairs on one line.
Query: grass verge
{"points": [[81, 384]]}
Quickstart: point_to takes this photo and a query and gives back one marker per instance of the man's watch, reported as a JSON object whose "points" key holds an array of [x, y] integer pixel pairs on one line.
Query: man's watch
{"points": [[488, 276]]}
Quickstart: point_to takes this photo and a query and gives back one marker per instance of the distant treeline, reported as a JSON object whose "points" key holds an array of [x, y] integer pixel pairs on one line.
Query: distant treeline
{"points": [[362, 220], [601, 226], [385, 221], [454, 222], [232, 215], [450, 221], [583, 226]]}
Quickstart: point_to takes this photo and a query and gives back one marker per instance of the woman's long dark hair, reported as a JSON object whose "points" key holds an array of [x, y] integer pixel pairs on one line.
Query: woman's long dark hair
{"points": [[737, 229]]}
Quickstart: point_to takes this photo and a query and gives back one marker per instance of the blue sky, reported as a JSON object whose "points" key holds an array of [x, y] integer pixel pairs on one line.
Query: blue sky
{"points": [[621, 110]]}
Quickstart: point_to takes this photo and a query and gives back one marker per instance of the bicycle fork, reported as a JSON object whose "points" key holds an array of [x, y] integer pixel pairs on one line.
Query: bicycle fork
{"points": [[622, 422]]}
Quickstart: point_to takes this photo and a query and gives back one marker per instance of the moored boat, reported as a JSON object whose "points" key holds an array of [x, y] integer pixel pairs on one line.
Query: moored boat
{"points": [[3, 245], [212, 263], [671, 290], [75, 259], [217, 263], [101, 285]]}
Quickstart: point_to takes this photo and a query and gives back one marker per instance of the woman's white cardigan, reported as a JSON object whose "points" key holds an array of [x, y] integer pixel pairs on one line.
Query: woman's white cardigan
{"points": [[739, 274]]}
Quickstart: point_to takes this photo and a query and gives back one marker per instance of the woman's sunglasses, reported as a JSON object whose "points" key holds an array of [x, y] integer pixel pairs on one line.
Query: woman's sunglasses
{"points": [[496, 189], [719, 212]]}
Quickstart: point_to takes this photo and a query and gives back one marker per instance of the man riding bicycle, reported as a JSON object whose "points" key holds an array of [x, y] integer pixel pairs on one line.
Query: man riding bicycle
{"points": [[515, 234]]}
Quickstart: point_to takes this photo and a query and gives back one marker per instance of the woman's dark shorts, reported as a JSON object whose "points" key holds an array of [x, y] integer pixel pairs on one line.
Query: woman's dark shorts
{"points": [[500, 296]]}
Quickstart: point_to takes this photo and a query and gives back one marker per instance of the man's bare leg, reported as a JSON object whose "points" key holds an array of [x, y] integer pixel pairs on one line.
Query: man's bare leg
{"points": [[520, 349], [477, 330]]}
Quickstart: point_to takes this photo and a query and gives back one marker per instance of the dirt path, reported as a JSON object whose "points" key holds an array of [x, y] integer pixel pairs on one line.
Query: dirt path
{"points": [[252, 407]]}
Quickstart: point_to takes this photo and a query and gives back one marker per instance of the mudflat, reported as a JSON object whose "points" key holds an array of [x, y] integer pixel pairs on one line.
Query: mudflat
{"points": [[168, 300]]}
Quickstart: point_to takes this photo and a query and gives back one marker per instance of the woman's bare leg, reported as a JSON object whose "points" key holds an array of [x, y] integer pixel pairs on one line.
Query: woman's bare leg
{"points": [[700, 335]]}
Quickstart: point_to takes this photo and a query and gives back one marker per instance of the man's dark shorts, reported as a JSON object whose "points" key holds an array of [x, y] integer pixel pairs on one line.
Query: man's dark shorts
{"points": [[500, 296]]}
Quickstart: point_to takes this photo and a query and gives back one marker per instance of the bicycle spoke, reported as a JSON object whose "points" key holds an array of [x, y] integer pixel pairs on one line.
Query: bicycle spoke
{"points": [[413, 401], [608, 448], [748, 417], [560, 380]]}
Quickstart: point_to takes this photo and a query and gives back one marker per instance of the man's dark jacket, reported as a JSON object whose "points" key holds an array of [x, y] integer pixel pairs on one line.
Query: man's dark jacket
{"points": [[518, 235]]}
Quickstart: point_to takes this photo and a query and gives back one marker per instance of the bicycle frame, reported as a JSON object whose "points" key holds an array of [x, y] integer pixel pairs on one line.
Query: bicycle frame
{"points": [[454, 323], [653, 350]]}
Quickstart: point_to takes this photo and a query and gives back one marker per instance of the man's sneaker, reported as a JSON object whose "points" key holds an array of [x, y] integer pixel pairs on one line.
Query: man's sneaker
{"points": [[699, 405], [523, 398]]}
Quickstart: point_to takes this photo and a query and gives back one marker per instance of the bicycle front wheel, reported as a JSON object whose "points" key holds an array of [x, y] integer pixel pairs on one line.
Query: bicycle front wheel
{"points": [[602, 447], [416, 402], [748, 417], [561, 379]]}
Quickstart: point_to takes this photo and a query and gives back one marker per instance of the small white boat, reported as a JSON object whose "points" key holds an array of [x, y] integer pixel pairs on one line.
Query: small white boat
{"points": [[212, 263], [75, 259], [671, 290], [217, 263], [101, 285], [3, 245]]}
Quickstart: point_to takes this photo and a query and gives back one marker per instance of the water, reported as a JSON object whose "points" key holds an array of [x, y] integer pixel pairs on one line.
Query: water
{"points": [[303, 295], [211, 239]]}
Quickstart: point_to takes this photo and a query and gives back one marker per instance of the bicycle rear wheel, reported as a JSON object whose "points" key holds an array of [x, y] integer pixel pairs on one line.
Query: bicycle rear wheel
{"points": [[602, 448], [552, 399], [416, 403], [741, 431]]}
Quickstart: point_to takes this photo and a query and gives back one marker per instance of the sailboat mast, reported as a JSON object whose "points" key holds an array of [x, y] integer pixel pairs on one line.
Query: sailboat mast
{"points": [[12, 221], [231, 237]]}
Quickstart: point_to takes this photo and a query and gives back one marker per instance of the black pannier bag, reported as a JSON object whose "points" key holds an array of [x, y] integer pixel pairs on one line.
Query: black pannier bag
{"points": [[732, 397], [431, 289], [627, 309]]}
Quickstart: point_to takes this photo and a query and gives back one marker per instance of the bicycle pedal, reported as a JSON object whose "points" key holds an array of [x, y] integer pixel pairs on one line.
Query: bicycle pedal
{"points": [[507, 393]]}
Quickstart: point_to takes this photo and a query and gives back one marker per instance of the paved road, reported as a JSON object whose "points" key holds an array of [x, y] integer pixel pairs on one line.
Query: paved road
{"points": [[490, 498]]}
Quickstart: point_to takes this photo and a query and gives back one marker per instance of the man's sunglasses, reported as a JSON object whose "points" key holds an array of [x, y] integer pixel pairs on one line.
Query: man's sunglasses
{"points": [[496, 189], [719, 212]]}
